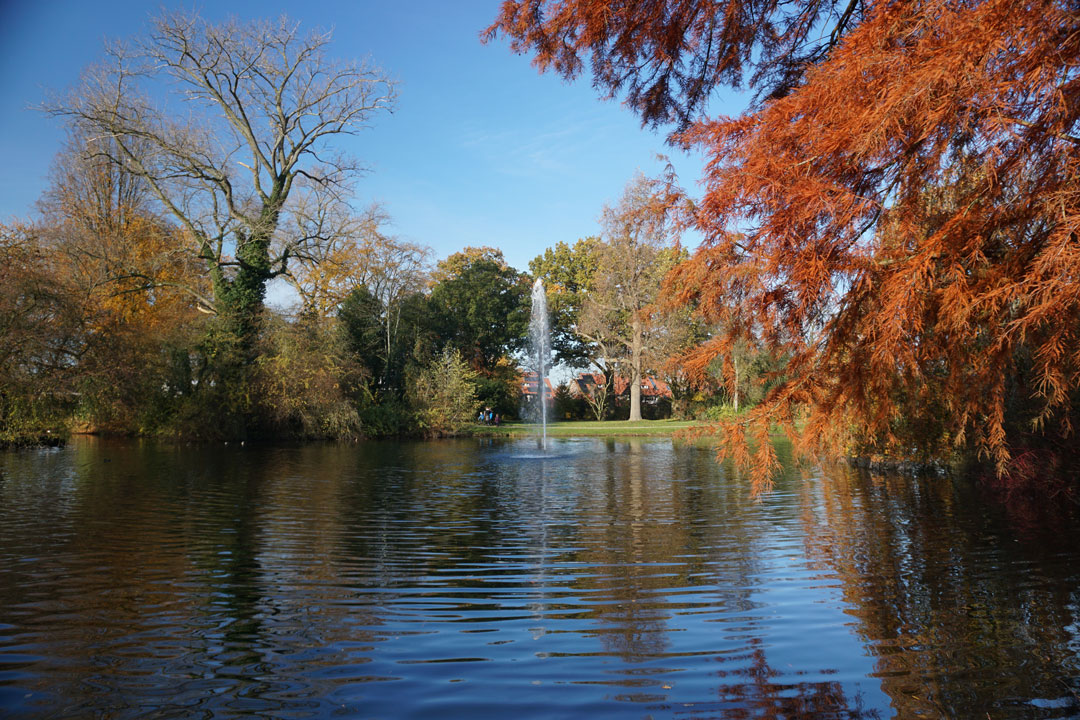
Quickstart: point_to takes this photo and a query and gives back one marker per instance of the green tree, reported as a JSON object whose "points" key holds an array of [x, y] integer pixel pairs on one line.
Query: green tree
{"points": [[442, 394], [480, 307], [366, 325], [363, 322], [568, 273]]}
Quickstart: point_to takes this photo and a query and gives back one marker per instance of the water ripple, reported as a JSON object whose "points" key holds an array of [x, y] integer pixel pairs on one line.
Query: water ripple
{"points": [[470, 579]]}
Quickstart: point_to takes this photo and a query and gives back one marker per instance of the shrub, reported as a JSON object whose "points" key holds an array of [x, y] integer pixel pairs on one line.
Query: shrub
{"points": [[304, 380], [442, 394], [500, 390]]}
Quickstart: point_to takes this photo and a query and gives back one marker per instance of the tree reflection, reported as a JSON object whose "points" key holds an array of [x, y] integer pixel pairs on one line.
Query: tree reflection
{"points": [[632, 545], [255, 576], [760, 695], [964, 617], [672, 532]]}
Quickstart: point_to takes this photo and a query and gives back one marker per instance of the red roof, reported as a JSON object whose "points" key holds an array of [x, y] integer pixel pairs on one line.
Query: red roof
{"points": [[650, 386], [529, 384]]}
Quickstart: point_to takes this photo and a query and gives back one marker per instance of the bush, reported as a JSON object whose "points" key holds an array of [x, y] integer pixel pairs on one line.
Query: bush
{"points": [[442, 394], [721, 412], [500, 391], [304, 381], [386, 417]]}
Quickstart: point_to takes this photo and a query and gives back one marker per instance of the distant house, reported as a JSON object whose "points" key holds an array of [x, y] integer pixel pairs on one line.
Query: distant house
{"points": [[652, 389], [586, 384], [529, 385]]}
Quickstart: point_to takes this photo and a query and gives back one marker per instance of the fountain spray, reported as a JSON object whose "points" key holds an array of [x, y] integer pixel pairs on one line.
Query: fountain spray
{"points": [[540, 344]]}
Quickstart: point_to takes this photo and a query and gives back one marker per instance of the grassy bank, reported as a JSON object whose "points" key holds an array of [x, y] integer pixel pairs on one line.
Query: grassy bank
{"points": [[586, 428]]}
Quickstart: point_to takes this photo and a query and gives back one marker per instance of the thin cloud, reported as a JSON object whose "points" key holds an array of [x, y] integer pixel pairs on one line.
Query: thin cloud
{"points": [[556, 147]]}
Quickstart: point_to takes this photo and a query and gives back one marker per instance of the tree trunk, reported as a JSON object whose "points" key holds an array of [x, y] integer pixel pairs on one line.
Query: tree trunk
{"points": [[635, 370], [232, 343], [241, 298]]}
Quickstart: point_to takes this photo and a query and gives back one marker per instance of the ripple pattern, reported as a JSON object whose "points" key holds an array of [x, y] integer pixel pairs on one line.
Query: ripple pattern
{"points": [[482, 579]]}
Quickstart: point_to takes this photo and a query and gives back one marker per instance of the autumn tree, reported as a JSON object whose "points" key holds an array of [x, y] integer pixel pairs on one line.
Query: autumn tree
{"points": [[357, 250], [40, 339], [443, 394], [241, 174], [305, 380], [365, 277], [633, 258], [118, 262], [600, 325], [325, 274], [897, 212]]}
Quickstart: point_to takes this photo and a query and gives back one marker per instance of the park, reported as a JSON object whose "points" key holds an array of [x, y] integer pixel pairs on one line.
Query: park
{"points": [[587, 359]]}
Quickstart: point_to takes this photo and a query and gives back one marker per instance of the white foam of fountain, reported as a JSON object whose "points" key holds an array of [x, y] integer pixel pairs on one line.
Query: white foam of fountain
{"points": [[540, 347]]}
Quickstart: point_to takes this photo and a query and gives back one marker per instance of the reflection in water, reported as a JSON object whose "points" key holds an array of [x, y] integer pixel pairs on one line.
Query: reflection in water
{"points": [[477, 579], [955, 605]]}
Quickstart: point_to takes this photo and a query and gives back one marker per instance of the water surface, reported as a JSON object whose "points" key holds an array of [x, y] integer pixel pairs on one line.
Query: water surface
{"points": [[481, 578]]}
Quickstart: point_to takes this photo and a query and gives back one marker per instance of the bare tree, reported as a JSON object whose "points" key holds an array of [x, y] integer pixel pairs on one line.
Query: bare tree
{"points": [[328, 270], [400, 269], [596, 394], [242, 144]]}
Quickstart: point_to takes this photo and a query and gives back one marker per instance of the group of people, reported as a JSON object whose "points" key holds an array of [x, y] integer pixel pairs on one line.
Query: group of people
{"points": [[486, 417]]}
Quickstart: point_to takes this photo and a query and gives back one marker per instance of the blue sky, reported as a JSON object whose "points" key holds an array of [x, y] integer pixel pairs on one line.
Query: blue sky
{"points": [[480, 150]]}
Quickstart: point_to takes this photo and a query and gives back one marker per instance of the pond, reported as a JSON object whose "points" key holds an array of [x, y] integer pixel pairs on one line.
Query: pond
{"points": [[485, 578]]}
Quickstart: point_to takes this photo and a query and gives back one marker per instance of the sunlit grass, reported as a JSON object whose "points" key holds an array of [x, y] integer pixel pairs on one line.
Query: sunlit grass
{"points": [[577, 427]]}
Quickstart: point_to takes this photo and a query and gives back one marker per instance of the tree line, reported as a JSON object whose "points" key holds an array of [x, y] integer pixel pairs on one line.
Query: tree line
{"points": [[110, 324], [890, 236], [134, 302]]}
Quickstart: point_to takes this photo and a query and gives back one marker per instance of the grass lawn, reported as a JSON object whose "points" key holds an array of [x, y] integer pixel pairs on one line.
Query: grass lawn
{"points": [[586, 427]]}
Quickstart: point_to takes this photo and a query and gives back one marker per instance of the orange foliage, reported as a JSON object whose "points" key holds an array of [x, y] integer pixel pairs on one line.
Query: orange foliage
{"points": [[127, 276], [899, 217], [127, 266], [361, 254]]}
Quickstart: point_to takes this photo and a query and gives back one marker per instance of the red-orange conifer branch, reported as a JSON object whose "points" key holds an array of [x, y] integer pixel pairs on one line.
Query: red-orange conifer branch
{"points": [[898, 215]]}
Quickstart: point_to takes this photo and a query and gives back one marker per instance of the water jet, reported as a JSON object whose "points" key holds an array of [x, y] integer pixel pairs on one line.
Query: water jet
{"points": [[540, 347]]}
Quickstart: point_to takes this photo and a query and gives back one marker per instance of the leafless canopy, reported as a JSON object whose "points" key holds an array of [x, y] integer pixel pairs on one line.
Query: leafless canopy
{"points": [[244, 138]]}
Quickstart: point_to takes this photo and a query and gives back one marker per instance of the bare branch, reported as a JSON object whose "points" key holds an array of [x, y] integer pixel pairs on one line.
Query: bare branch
{"points": [[264, 90]]}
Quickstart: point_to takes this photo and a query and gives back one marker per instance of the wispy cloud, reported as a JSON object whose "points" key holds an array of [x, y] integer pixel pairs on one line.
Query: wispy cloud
{"points": [[554, 147]]}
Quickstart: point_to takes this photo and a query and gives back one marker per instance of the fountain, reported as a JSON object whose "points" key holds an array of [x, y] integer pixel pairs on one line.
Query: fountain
{"points": [[540, 347]]}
